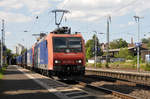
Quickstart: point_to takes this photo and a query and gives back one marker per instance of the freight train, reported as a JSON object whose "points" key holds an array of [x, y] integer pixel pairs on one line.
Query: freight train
{"points": [[59, 53]]}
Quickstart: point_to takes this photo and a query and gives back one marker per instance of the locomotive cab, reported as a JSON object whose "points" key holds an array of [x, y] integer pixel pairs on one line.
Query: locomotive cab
{"points": [[68, 54]]}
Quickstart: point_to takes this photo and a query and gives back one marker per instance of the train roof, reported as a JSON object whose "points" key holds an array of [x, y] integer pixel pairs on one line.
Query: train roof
{"points": [[59, 32], [65, 35]]}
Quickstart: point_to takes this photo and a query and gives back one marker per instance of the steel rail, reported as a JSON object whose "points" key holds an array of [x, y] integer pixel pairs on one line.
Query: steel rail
{"points": [[114, 93], [135, 78]]}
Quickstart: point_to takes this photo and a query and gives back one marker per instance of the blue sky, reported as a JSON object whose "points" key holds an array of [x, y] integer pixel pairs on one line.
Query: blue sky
{"points": [[85, 16]]}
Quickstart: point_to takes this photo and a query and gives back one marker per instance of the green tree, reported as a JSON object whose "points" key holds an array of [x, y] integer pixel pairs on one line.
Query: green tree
{"points": [[124, 53], [145, 41], [24, 50], [88, 53], [89, 43], [9, 55], [8, 52], [90, 47], [119, 43]]}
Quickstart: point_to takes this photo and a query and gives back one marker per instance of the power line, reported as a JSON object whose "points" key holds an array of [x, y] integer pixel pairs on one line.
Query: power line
{"points": [[65, 4], [122, 7]]}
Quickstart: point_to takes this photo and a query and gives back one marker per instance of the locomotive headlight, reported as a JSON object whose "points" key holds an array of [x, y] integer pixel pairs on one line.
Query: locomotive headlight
{"points": [[57, 61], [79, 61]]}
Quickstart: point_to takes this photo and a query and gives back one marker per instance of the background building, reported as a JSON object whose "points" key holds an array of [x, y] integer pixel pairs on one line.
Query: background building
{"points": [[19, 48]]}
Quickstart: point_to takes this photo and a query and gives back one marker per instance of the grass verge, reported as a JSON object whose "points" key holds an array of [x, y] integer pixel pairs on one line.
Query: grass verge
{"points": [[122, 65], [2, 71]]}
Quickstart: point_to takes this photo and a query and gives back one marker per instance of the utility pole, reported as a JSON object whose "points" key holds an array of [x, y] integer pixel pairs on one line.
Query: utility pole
{"points": [[2, 42], [3, 26], [137, 19], [95, 48], [107, 48], [1, 54]]}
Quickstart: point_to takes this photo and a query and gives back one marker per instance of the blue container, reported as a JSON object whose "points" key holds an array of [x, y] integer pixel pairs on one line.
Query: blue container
{"points": [[19, 60], [24, 58], [41, 55], [29, 57]]}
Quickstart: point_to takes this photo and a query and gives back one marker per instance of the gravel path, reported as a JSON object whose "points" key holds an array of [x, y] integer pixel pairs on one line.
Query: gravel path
{"points": [[15, 85]]}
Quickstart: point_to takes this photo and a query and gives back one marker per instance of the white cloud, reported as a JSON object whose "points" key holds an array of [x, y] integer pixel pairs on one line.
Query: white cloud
{"points": [[76, 14], [94, 10], [11, 4], [17, 6], [86, 10], [141, 6], [34, 6], [22, 6], [122, 25], [14, 17], [131, 23], [7, 33]]}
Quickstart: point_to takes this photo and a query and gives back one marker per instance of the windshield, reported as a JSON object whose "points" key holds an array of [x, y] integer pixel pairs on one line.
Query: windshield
{"points": [[61, 44]]}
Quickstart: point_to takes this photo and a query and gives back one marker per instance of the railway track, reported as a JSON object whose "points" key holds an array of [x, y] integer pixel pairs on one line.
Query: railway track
{"points": [[114, 93], [117, 87], [135, 77], [87, 84], [129, 82], [85, 89]]}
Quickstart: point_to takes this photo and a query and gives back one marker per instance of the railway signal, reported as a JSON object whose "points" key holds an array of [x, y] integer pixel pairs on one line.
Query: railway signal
{"points": [[137, 19], [138, 44]]}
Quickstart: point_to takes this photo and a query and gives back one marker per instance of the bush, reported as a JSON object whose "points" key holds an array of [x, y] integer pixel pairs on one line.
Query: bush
{"points": [[86, 64], [1, 72], [98, 65], [107, 65], [147, 67], [129, 57]]}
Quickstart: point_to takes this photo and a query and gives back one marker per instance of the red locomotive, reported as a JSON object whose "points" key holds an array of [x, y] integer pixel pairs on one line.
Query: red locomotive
{"points": [[60, 53]]}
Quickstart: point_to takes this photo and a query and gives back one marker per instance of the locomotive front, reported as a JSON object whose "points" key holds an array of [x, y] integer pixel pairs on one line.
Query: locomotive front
{"points": [[68, 54]]}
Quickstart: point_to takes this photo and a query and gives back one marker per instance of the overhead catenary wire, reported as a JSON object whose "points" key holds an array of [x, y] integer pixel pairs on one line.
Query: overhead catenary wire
{"points": [[65, 3], [118, 9]]}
